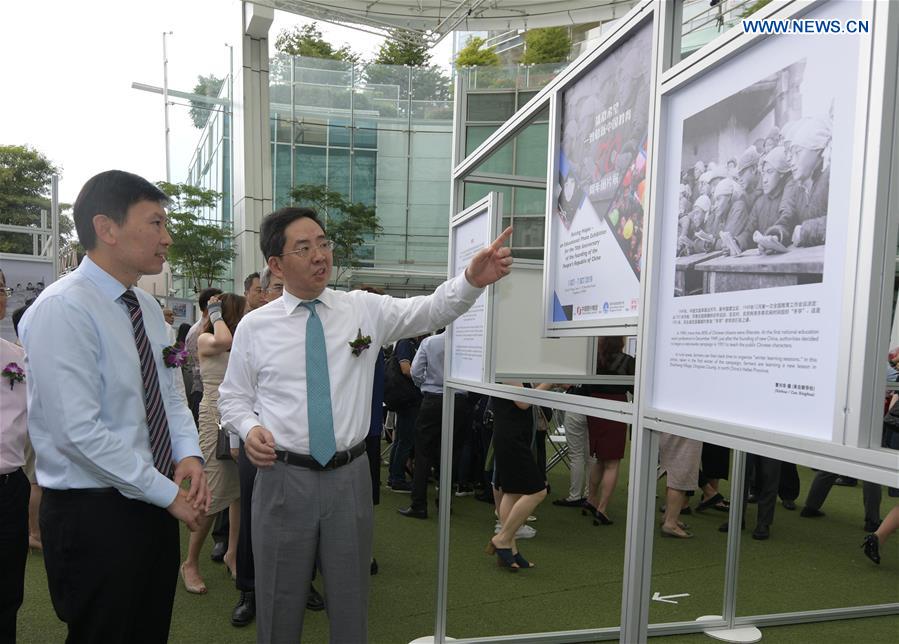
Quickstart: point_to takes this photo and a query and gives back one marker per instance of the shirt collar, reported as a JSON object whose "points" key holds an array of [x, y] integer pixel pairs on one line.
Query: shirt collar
{"points": [[291, 301], [108, 285]]}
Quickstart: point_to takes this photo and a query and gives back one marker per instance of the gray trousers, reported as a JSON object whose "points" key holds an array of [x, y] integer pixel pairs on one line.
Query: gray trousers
{"points": [[300, 517], [822, 483]]}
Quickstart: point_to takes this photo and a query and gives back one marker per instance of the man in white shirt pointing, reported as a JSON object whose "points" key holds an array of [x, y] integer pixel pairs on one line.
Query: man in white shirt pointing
{"points": [[312, 498]]}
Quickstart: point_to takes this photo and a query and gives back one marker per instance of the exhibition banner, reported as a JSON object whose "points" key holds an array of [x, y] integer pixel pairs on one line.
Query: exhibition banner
{"points": [[468, 333], [594, 252], [754, 204]]}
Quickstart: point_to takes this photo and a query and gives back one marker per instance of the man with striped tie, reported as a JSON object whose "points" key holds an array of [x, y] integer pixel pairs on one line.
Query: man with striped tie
{"points": [[114, 441], [305, 365]]}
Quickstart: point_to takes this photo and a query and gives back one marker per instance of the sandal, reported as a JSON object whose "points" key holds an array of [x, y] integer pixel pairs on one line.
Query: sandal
{"points": [[522, 562], [505, 559], [716, 502]]}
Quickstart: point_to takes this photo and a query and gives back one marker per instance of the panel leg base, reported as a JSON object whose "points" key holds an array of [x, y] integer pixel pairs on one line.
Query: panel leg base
{"points": [[741, 634]]}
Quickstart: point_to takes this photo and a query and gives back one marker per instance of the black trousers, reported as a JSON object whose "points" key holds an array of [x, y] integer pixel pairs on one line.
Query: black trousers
{"points": [[112, 565], [428, 430], [824, 481], [788, 489], [246, 568], [767, 474], [15, 490]]}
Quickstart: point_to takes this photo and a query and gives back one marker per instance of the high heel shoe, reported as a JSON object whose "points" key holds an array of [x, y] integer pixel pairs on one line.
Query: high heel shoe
{"points": [[601, 519], [505, 559], [196, 589], [522, 562]]}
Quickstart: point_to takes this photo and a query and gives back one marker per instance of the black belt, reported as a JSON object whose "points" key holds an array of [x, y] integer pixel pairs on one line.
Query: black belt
{"points": [[305, 460], [6, 478], [83, 491]]}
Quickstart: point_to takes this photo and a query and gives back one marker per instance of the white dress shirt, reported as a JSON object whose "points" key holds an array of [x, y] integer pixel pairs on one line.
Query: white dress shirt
{"points": [[13, 426], [86, 414], [267, 368]]}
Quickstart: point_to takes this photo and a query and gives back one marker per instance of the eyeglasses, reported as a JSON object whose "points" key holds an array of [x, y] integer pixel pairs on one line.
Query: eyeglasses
{"points": [[325, 246], [6, 291]]}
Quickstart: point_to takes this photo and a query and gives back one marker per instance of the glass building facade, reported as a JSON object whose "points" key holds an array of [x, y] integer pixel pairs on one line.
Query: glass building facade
{"points": [[489, 97]]}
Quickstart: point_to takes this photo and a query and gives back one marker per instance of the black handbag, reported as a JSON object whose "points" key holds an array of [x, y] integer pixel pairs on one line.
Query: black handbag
{"points": [[223, 445]]}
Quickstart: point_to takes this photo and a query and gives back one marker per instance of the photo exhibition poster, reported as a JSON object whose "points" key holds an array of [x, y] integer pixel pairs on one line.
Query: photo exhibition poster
{"points": [[755, 213], [597, 222]]}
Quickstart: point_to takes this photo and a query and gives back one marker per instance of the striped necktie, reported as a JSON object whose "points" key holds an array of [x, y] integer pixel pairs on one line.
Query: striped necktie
{"points": [[322, 445], [160, 441]]}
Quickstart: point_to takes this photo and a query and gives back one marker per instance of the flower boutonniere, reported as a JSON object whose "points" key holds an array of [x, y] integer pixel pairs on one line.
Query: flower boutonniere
{"points": [[174, 356], [14, 373], [361, 343]]}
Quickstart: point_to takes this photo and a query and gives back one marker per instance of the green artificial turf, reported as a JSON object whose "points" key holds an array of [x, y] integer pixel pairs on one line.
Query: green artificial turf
{"points": [[807, 564]]}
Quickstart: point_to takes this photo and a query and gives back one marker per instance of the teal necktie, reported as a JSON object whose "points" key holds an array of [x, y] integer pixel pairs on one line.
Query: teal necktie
{"points": [[318, 390]]}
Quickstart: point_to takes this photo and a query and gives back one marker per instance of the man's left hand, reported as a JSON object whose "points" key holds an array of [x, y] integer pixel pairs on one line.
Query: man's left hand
{"points": [[491, 263], [192, 468]]}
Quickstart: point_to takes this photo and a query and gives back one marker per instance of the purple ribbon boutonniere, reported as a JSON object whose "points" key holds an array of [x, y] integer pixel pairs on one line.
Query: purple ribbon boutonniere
{"points": [[174, 356], [360, 344], [14, 373]]}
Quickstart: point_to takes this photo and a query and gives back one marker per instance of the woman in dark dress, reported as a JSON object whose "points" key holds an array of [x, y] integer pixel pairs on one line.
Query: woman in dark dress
{"points": [[517, 476], [607, 437]]}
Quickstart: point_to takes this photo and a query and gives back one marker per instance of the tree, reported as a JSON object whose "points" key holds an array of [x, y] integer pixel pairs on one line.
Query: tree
{"points": [[547, 45], [200, 252], [206, 86], [25, 176], [429, 83], [404, 49], [349, 225], [475, 54], [307, 40]]}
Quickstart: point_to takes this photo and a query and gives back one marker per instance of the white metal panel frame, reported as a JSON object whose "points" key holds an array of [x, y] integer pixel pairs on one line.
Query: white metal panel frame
{"points": [[867, 219]]}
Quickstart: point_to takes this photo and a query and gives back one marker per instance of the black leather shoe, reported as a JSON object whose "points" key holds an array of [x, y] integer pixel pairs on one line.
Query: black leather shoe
{"points": [[413, 513], [374, 566], [218, 551], [245, 610], [761, 532], [314, 600], [871, 547], [810, 513], [789, 505]]}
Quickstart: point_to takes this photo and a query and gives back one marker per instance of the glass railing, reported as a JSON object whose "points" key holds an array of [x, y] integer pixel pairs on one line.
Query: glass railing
{"points": [[510, 77]]}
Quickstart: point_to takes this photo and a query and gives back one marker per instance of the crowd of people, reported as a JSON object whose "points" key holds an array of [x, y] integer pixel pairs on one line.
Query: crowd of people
{"points": [[134, 425], [771, 198]]}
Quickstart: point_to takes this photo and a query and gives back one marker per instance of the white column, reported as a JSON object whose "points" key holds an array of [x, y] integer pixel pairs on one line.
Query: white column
{"points": [[252, 189]]}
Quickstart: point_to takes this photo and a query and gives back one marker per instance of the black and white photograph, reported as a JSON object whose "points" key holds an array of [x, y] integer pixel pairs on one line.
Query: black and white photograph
{"points": [[754, 184]]}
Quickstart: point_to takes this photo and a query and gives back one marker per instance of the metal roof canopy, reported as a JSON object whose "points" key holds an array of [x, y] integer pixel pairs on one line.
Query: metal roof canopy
{"points": [[434, 19]]}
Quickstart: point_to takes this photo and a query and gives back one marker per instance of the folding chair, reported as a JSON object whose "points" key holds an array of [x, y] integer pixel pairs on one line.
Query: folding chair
{"points": [[556, 434]]}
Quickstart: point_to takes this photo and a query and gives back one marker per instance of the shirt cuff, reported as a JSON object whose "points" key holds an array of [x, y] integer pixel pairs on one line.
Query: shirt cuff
{"points": [[244, 428], [162, 491], [184, 447], [468, 291]]}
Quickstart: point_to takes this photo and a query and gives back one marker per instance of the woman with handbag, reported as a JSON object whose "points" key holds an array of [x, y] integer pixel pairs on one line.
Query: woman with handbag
{"points": [[213, 347], [517, 475]]}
